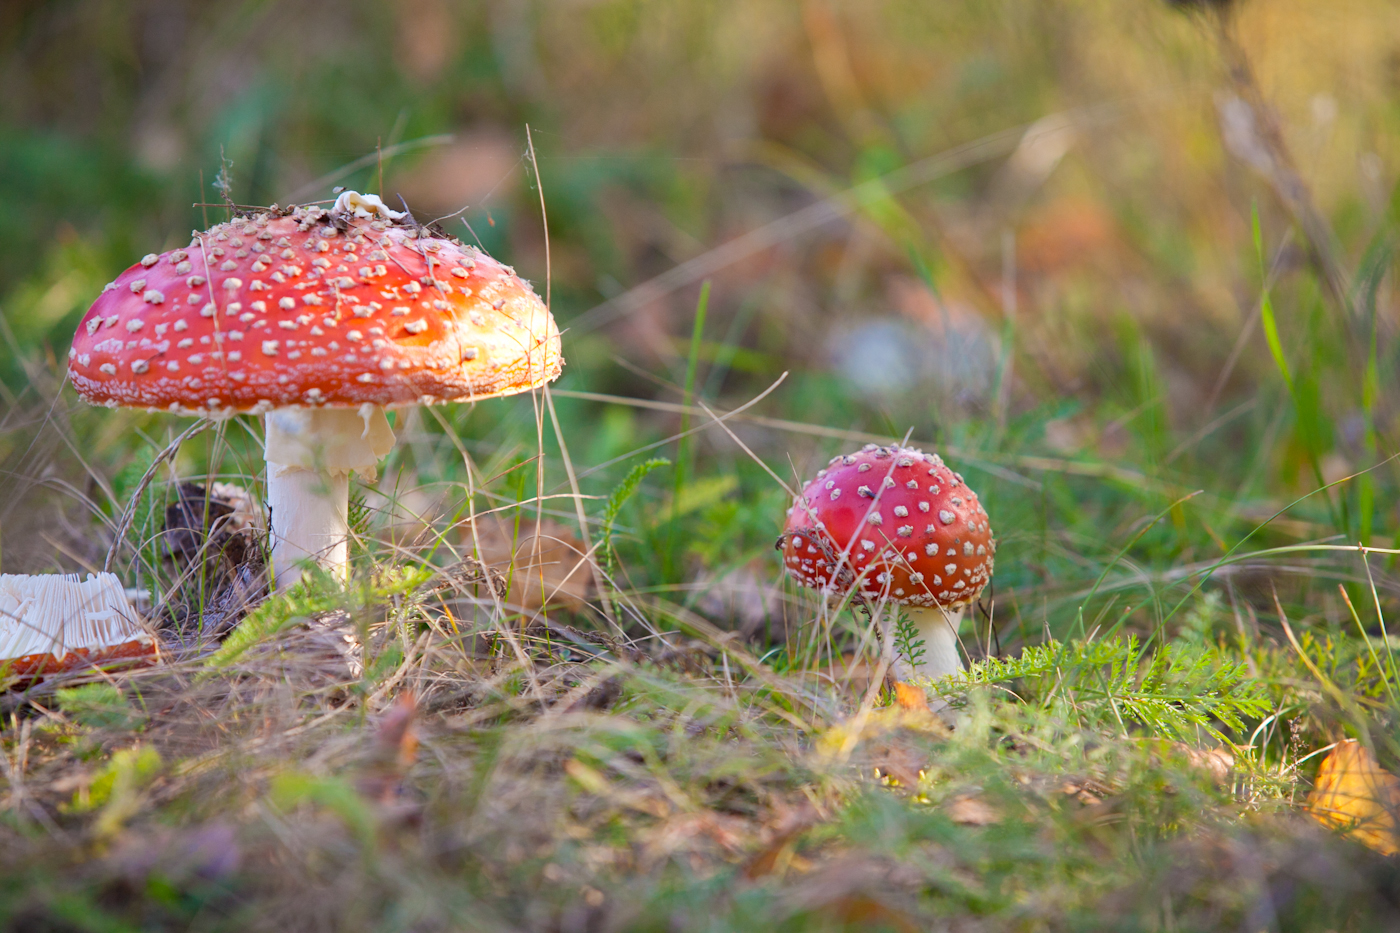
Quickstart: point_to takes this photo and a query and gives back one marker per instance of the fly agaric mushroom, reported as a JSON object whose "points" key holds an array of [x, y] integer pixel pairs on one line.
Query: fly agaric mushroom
{"points": [[54, 623], [896, 524], [318, 320]]}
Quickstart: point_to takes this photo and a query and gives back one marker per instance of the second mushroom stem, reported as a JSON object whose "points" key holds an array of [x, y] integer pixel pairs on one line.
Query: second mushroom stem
{"points": [[938, 630]]}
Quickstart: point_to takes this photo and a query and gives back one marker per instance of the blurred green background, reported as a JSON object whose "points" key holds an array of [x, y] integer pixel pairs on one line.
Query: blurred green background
{"points": [[1126, 264], [1020, 231]]}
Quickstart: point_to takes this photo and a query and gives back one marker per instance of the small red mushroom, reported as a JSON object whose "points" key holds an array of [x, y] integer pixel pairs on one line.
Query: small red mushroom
{"points": [[317, 319], [896, 524]]}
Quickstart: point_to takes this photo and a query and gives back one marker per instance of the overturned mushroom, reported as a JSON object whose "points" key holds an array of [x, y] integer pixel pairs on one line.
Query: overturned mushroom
{"points": [[54, 623], [318, 320]]}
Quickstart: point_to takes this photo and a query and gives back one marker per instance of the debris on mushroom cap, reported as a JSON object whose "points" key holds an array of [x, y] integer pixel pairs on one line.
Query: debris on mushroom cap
{"points": [[51, 623], [917, 535], [309, 307], [364, 205]]}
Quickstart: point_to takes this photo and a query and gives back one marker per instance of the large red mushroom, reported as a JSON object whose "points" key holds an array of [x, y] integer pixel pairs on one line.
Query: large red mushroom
{"points": [[897, 525], [316, 319]]}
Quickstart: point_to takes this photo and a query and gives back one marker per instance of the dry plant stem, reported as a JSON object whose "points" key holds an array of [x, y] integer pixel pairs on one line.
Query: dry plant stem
{"points": [[600, 580], [938, 628], [129, 513], [1284, 178], [838, 205]]}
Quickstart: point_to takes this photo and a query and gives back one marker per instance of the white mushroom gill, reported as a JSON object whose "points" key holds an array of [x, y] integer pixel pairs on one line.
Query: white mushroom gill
{"points": [[58, 613], [310, 455]]}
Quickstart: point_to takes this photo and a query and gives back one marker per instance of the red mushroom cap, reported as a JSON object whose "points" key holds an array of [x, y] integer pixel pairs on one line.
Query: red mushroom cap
{"points": [[134, 653], [309, 308], [896, 521]]}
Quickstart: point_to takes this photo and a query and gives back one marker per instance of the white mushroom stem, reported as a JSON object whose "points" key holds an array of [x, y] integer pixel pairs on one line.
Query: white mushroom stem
{"points": [[310, 454], [310, 520], [938, 629]]}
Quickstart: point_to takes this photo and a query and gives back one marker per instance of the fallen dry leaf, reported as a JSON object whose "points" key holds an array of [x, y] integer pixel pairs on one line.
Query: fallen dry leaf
{"points": [[1353, 791], [853, 674], [688, 832], [558, 574], [856, 893], [763, 862], [846, 735], [862, 911], [908, 696], [850, 673], [1088, 792], [748, 599], [395, 749], [1217, 761], [971, 810], [896, 764]]}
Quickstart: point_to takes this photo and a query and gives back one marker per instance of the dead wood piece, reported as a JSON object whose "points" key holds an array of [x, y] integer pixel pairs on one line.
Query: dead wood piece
{"points": [[214, 538]]}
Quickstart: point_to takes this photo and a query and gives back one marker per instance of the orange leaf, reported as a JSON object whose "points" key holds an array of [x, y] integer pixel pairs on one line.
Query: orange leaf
{"points": [[1353, 791], [971, 810], [909, 696]]}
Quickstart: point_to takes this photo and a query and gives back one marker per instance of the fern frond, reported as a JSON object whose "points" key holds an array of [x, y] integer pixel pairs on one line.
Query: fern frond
{"points": [[907, 642], [618, 498], [1176, 692]]}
